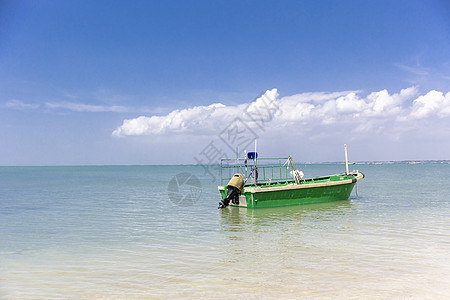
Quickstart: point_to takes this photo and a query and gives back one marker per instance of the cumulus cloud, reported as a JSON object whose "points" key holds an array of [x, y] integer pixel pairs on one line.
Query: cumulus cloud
{"points": [[199, 119], [305, 111], [178, 121], [434, 103]]}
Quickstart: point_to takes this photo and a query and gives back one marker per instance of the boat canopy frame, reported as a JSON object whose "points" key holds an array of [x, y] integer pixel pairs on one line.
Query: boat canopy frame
{"points": [[258, 170]]}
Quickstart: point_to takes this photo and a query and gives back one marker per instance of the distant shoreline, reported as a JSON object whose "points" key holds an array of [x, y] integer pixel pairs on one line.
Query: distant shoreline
{"points": [[408, 162]]}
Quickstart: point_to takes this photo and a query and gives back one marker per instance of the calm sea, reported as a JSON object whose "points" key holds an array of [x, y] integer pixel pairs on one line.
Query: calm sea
{"points": [[112, 232]]}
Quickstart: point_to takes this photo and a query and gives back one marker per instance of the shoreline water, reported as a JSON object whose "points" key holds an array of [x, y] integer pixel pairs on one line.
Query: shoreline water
{"points": [[94, 232]]}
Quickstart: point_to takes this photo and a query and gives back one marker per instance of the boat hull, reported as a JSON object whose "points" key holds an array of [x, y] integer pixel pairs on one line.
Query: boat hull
{"points": [[337, 187]]}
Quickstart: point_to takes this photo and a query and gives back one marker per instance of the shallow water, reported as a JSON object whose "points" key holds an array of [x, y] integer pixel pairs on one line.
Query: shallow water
{"points": [[112, 232]]}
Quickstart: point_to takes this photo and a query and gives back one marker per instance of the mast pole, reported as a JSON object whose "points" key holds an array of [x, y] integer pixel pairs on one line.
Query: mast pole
{"points": [[255, 161], [346, 159]]}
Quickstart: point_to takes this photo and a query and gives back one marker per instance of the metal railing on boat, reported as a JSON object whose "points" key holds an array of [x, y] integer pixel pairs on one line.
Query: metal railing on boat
{"points": [[257, 171]]}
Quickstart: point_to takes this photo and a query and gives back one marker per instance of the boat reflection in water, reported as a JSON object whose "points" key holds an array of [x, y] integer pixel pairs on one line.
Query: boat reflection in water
{"points": [[236, 219]]}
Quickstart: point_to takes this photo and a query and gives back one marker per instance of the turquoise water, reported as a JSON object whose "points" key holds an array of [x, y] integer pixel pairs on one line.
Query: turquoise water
{"points": [[112, 232]]}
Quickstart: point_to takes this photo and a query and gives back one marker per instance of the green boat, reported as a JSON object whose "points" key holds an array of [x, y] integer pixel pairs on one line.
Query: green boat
{"points": [[272, 182]]}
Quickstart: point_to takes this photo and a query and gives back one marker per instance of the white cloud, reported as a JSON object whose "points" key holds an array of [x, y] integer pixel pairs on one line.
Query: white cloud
{"points": [[80, 107], [434, 103], [416, 70], [72, 106], [177, 121], [17, 104], [196, 119], [301, 113], [350, 103], [199, 119]]}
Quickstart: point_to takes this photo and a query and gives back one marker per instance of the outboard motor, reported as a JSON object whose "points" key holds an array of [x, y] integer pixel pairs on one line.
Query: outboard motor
{"points": [[234, 187]]}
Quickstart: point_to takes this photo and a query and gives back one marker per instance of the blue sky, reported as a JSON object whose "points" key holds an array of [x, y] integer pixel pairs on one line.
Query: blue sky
{"points": [[72, 73]]}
